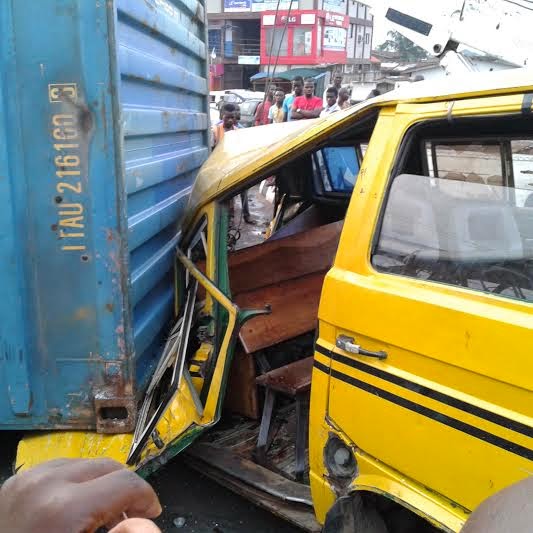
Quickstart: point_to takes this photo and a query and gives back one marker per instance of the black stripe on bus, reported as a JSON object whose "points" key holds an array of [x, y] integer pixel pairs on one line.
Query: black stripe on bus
{"points": [[473, 431], [495, 418]]}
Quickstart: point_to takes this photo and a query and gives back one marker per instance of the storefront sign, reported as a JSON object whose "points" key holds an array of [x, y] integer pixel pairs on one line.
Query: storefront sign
{"points": [[290, 20], [249, 60], [232, 6], [271, 5], [334, 38], [335, 19]]}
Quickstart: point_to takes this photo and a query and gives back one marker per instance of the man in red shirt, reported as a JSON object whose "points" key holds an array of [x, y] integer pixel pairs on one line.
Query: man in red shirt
{"points": [[307, 105], [261, 114]]}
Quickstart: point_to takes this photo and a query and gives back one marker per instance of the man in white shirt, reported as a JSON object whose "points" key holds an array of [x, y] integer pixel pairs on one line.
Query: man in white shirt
{"points": [[337, 83], [331, 102]]}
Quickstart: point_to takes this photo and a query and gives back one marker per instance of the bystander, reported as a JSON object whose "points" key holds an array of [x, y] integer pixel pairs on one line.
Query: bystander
{"points": [[337, 83], [308, 105], [276, 113], [331, 102], [226, 124], [344, 98], [297, 90], [261, 114]]}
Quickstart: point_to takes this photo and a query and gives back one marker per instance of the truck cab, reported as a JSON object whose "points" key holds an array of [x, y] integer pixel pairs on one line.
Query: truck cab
{"points": [[391, 274]]}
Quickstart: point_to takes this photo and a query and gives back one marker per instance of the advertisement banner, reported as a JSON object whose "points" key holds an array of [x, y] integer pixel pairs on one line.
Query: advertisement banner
{"points": [[334, 5], [248, 60], [335, 19], [233, 6], [271, 5], [334, 38]]}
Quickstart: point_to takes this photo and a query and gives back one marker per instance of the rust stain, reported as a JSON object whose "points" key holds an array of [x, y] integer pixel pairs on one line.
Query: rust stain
{"points": [[109, 307]]}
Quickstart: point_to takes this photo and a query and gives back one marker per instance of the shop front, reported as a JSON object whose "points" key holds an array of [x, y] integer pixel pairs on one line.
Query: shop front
{"points": [[306, 37]]}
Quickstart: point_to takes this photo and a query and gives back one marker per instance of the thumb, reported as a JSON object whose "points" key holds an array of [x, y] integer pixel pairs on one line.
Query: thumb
{"points": [[136, 525]]}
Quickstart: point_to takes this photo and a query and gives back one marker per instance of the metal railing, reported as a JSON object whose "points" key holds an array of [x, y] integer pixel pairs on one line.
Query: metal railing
{"points": [[242, 47]]}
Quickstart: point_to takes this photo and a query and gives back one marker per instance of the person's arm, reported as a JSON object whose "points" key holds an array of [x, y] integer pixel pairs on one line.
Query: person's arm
{"points": [[271, 115], [313, 113], [214, 137], [258, 113], [296, 115], [285, 111]]}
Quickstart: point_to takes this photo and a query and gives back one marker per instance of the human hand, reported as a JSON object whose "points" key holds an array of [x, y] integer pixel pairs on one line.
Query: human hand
{"points": [[510, 510], [77, 496]]}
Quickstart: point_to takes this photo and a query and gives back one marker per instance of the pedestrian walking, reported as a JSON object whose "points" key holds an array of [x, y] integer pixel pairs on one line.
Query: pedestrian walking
{"points": [[297, 90], [308, 105], [276, 113]]}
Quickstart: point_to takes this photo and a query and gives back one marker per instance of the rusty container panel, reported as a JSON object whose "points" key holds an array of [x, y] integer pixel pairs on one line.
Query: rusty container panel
{"points": [[103, 126]]}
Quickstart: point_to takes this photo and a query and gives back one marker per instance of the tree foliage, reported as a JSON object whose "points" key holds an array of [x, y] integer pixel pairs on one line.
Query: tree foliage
{"points": [[407, 51]]}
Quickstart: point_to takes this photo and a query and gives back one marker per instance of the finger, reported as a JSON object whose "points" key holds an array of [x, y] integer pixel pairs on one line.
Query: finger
{"points": [[32, 478], [136, 525], [82, 470], [102, 499]]}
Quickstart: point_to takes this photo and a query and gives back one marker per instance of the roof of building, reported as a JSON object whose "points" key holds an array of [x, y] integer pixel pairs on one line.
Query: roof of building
{"points": [[247, 153]]}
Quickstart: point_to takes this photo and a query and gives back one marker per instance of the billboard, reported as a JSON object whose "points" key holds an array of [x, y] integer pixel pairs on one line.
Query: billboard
{"points": [[334, 5], [232, 6], [271, 5], [334, 38]]}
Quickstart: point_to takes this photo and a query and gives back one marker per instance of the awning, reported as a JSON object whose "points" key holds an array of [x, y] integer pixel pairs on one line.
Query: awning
{"points": [[289, 75]]}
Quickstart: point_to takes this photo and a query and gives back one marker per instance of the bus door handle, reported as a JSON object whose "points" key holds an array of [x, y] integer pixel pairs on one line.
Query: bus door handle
{"points": [[348, 345]]}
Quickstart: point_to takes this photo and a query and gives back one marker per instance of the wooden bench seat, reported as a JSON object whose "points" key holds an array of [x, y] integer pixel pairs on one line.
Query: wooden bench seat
{"points": [[294, 308], [287, 274], [292, 380]]}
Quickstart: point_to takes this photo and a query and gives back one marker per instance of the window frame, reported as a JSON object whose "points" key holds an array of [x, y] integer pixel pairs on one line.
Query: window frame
{"points": [[404, 150], [319, 190]]}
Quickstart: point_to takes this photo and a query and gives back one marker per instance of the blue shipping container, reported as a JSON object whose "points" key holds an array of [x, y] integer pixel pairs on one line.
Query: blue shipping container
{"points": [[103, 126]]}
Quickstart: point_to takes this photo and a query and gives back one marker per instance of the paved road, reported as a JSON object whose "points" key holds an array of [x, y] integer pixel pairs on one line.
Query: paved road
{"points": [[206, 506]]}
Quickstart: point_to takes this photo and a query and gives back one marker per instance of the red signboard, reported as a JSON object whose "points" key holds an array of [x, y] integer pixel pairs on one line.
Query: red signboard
{"points": [[290, 20]]}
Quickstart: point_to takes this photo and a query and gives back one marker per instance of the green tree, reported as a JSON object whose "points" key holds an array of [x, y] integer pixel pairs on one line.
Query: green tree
{"points": [[407, 51]]}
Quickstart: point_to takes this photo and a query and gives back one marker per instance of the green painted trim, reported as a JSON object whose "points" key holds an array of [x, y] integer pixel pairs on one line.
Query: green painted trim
{"points": [[175, 447]]}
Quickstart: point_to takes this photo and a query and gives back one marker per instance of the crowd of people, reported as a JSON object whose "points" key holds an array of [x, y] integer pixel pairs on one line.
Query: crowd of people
{"points": [[277, 107], [300, 104]]}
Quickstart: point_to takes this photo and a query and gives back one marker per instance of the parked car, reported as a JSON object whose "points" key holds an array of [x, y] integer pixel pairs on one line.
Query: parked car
{"points": [[248, 109]]}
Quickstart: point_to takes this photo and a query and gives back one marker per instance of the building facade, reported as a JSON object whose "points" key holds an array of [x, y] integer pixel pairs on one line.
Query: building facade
{"points": [[251, 36]]}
